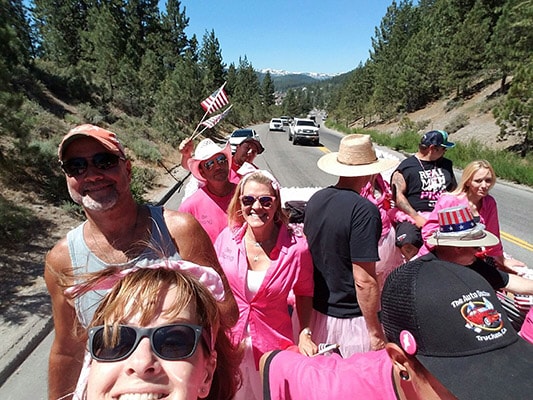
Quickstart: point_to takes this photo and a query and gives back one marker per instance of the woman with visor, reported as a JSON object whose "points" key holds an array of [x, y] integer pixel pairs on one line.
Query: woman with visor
{"points": [[157, 334], [264, 260]]}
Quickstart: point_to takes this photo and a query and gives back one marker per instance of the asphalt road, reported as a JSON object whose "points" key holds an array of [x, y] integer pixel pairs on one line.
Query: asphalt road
{"points": [[295, 166]]}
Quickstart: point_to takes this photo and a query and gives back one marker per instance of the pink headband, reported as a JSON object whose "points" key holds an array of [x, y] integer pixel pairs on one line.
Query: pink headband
{"points": [[206, 275], [274, 182]]}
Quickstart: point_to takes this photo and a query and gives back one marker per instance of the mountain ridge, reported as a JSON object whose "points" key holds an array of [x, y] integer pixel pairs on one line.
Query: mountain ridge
{"points": [[280, 72]]}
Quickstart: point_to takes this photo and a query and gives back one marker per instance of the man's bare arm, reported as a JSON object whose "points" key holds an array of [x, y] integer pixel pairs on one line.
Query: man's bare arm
{"points": [[194, 244], [400, 188], [68, 347], [519, 285], [367, 291]]}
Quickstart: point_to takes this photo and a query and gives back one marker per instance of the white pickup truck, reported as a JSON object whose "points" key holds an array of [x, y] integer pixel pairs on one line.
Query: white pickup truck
{"points": [[304, 129]]}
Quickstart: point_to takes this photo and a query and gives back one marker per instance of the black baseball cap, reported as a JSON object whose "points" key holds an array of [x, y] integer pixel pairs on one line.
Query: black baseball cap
{"points": [[254, 141], [436, 138], [449, 318]]}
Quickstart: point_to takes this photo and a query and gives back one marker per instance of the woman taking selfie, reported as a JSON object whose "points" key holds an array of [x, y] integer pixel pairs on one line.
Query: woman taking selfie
{"points": [[157, 333]]}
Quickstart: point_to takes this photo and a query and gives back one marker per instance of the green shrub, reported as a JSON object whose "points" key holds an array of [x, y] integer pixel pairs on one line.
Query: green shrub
{"points": [[407, 125], [15, 222], [460, 121], [453, 103], [72, 208], [145, 150], [90, 115], [142, 179], [422, 125]]}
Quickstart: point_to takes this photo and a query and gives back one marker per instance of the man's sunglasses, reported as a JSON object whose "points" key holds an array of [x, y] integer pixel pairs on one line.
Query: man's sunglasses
{"points": [[265, 201], [168, 342], [78, 166], [220, 159]]}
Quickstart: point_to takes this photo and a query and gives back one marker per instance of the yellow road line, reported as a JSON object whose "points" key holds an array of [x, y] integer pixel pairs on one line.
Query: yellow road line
{"points": [[517, 241]]}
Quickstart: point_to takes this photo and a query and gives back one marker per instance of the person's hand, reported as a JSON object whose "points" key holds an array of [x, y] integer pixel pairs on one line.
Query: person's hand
{"points": [[513, 263], [377, 342], [306, 345], [186, 147], [420, 221]]}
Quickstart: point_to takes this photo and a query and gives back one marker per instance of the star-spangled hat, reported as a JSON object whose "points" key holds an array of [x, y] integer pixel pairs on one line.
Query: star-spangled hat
{"points": [[458, 228]]}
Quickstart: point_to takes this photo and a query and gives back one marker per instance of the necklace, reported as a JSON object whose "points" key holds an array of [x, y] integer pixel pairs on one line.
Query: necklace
{"points": [[260, 247], [431, 170]]}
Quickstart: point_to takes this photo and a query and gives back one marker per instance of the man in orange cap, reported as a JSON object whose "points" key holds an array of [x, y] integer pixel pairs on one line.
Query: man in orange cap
{"points": [[117, 231]]}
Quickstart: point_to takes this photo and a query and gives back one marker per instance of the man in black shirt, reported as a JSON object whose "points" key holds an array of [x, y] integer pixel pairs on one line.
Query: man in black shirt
{"points": [[417, 184]]}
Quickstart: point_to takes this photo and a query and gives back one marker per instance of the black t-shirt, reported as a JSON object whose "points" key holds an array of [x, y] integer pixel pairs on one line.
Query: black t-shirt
{"points": [[426, 180], [341, 227]]}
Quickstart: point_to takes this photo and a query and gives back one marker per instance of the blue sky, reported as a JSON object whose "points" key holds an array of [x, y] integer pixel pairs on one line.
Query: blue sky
{"points": [[297, 36]]}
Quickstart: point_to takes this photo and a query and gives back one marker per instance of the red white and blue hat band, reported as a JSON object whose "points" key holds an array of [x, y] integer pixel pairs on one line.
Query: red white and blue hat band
{"points": [[457, 219]]}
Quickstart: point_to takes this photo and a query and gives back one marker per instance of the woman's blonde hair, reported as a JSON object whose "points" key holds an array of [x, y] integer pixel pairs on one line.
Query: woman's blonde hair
{"points": [[468, 173], [235, 217]]}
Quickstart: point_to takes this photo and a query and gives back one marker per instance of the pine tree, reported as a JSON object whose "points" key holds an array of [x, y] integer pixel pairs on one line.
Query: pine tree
{"points": [[466, 54], [211, 62], [14, 58], [246, 96], [267, 90], [510, 51], [104, 47], [172, 42], [177, 109], [60, 23], [512, 40]]}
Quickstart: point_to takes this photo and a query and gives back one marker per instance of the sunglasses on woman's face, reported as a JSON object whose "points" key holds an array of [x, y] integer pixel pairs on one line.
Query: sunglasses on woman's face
{"points": [[220, 159], [77, 166], [168, 342], [265, 201]]}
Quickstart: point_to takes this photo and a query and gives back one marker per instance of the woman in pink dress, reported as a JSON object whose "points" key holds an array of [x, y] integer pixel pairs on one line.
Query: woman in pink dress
{"points": [[264, 260], [477, 180]]}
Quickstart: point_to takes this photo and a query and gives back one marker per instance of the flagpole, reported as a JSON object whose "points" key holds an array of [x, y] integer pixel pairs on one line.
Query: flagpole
{"points": [[205, 115], [203, 130]]}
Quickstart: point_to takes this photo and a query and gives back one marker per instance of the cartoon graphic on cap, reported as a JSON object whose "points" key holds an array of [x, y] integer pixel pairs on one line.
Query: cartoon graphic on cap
{"points": [[481, 316]]}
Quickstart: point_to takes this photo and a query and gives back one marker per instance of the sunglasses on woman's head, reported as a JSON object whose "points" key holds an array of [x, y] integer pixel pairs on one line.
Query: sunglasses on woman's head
{"points": [[78, 166], [220, 159], [169, 342], [265, 201]]}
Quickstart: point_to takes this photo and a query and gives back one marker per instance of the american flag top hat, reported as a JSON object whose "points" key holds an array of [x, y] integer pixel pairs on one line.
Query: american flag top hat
{"points": [[458, 228], [456, 219]]}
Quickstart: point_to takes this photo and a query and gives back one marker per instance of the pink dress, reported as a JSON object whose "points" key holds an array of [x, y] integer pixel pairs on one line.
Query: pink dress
{"points": [[266, 314], [488, 215], [264, 322], [209, 210], [390, 256]]}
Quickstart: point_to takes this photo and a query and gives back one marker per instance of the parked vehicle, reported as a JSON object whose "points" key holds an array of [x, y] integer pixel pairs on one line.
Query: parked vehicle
{"points": [[276, 124], [239, 135], [304, 130], [286, 120]]}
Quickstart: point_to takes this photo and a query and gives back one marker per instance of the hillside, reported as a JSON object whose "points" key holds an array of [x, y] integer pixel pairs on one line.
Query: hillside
{"points": [[475, 112]]}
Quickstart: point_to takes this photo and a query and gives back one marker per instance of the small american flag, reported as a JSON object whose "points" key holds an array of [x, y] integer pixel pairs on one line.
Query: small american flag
{"points": [[211, 122], [216, 100]]}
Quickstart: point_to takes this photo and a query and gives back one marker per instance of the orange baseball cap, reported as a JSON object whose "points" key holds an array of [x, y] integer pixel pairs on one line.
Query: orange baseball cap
{"points": [[106, 138]]}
